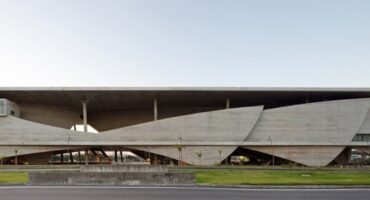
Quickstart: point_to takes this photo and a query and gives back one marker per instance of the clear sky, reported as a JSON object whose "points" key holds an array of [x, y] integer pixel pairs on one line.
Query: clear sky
{"points": [[296, 43]]}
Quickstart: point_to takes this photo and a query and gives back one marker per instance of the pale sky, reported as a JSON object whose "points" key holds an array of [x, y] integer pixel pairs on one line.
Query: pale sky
{"points": [[294, 43]]}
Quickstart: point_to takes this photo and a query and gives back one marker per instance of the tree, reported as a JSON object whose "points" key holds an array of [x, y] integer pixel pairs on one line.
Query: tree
{"points": [[219, 153], [179, 148], [16, 156], [199, 154]]}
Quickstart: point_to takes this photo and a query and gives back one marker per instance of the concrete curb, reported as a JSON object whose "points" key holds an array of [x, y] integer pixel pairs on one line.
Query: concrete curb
{"points": [[12, 184], [252, 187], [287, 186]]}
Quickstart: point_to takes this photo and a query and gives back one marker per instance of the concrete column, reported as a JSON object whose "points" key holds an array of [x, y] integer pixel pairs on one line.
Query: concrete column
{"points": [[71, 156], [115, 155], [227, 103], [79, 157], [84, 114], [86, 156], [121, 155], [155, 110], [61, 158]]}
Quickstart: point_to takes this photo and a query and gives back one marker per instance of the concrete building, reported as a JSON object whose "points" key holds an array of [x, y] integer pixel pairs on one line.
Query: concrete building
{"points": [[200, 126]]}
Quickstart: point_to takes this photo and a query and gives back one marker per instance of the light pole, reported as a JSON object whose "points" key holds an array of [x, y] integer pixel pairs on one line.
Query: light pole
{"points": [[367, 141], [272, 149], [179, 147], [69, 152]]}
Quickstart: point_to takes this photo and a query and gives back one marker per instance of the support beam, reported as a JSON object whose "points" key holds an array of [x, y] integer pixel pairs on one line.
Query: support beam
{"points": [[84, 114], [227, 103], [97, 157], [61, 158], [155, 110], [103, 153]]}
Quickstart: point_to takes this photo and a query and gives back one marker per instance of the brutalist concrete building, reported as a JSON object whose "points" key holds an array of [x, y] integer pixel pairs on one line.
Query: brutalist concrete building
{"points": [[199, 126]]}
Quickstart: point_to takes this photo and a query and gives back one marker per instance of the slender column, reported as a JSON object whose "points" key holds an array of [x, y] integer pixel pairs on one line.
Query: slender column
{"points": [[86, 156], [79, 157], [84, 114], [61, 158], [155, 110], [121, 155], [115, 155], [71, 157], [227, 103]]}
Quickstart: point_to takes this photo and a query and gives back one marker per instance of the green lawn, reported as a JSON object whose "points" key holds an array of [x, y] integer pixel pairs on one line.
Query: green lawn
{"points": [[13, 177], [291, 177]]}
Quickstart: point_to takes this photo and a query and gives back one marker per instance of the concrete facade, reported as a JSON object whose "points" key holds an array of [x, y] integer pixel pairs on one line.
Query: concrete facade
{"points": [[307, 126]]}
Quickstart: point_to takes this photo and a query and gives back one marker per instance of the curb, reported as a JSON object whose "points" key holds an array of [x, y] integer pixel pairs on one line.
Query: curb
{"points": [[286, 186], [252, 187]]}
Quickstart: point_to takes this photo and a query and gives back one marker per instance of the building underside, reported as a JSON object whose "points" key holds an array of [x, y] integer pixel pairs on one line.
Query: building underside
{"points": [[198, 126]]}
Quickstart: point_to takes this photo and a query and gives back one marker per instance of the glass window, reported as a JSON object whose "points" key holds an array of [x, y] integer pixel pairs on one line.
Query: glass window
{"points": [[361, 138]]}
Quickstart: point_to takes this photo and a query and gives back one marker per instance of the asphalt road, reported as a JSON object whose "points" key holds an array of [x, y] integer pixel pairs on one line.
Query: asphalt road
{"points": [[143, 193]]}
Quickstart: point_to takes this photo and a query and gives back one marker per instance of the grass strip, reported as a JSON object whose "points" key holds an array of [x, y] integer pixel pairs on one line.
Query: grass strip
{"points": [[13, 177], [275, 177]]}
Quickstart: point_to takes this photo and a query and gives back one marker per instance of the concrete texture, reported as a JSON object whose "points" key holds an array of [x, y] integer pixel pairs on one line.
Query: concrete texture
{"points": [[105, 121], [124, 168], [222, 125], [15, 131], [193, 117], [210, 154], [334, 121], [7, 151], [57, 116], [110, 178], [306, 155], [365, 128]]}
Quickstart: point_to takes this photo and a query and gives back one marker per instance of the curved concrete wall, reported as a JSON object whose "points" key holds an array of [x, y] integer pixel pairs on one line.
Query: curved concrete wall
{"points": [[8, 151], [22, 132], [223, 125], [332, 121], [105, 121], [313, 123], [50, 115], [210, 154], [306, 155], [365, 128]]}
